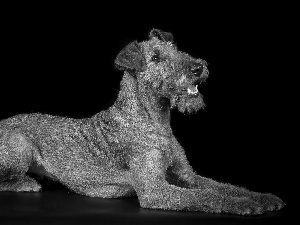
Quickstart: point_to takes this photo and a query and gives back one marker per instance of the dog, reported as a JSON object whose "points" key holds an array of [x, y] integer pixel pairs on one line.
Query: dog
{"points": [[129, 149]]}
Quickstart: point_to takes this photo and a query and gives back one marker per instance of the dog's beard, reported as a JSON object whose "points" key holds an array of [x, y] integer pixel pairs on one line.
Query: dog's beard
{"points": [[186, 103]]}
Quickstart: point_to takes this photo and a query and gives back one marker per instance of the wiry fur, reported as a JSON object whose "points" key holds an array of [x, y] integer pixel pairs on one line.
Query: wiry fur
{"points": [[128, 149]]}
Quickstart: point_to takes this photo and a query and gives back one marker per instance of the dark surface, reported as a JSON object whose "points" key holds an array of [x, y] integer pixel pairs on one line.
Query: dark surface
{"points": [[61, 207], [59, 60]]}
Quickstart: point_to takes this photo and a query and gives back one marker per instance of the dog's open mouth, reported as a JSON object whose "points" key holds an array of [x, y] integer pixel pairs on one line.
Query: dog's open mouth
{"points": [[192, 90]]}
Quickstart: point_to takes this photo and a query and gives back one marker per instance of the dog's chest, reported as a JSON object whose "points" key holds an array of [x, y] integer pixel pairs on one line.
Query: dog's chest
{"points": [[154, 141], [138, 135]]}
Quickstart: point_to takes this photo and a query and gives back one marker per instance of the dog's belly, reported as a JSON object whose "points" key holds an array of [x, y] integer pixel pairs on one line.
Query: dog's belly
{"points": [[105, 182], [79, 169]]}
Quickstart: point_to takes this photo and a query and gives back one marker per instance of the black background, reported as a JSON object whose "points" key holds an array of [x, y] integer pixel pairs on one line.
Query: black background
{"points": [[59, 59]]}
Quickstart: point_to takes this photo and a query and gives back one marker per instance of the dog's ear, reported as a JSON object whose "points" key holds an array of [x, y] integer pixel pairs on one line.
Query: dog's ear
{"points": [[161, 35], [131, 58]]}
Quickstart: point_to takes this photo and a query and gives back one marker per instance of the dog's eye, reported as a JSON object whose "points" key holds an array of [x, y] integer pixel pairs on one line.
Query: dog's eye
{"points": [[155, 57]]}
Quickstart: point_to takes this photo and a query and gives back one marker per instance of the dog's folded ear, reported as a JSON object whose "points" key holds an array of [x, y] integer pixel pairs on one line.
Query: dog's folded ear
{"points": [[161, 35], [131, 58]]}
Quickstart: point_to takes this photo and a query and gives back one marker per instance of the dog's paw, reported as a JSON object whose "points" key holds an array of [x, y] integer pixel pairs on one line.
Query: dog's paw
{"points": [[242, 206], [269, 202], [29, 187], [25, 184]]}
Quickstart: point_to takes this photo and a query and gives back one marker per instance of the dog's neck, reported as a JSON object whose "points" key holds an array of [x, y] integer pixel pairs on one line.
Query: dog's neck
{"points": [[141, 102]]}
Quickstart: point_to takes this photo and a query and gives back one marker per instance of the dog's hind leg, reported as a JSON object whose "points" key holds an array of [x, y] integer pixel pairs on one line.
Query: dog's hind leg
{"points": [[111, 191], [15, 160], [22, 183]]}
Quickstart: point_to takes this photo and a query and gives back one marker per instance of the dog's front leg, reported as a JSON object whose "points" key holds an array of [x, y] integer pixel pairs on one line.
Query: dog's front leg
{"points": [[182, 174], [148, 171]]}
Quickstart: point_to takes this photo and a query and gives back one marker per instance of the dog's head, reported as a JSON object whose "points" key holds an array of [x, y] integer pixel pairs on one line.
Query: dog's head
{"points": [[170, 73]]}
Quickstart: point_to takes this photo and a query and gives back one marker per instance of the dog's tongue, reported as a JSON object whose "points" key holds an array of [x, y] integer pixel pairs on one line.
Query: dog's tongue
{"points": [[192, 90]]}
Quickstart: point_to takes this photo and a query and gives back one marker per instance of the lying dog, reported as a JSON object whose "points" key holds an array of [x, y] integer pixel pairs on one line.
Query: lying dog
{"points": [[128, 149]]}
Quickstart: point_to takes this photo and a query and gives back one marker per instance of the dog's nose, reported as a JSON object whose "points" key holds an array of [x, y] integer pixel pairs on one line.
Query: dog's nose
{"points": [[197, 69]]}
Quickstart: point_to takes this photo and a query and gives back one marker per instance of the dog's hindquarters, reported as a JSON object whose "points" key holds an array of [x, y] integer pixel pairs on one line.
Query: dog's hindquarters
{"points": [[15, 160]]}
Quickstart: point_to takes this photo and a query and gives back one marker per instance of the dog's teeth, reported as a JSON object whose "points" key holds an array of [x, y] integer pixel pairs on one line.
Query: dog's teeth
{"points": [[195, 91]]}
